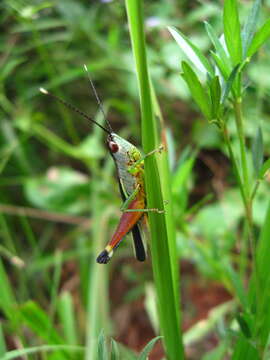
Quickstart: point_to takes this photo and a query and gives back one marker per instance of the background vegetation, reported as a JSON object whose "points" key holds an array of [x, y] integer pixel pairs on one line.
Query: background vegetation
{"points": [[59, 198]]}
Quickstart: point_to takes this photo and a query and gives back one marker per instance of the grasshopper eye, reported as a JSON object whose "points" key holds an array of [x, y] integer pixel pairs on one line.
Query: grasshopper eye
{"points": [[113, 146]]}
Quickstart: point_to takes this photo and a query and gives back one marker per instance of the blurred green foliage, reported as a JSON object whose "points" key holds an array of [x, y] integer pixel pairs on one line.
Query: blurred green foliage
{"points": [[52, 160]]}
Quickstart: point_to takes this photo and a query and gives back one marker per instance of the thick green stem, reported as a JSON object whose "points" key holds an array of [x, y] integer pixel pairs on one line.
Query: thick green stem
{"points": [[157, 181]]}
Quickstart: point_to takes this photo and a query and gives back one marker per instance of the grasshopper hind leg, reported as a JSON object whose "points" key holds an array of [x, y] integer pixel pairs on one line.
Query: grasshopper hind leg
{"points": [[104, 257], [127, 222]]}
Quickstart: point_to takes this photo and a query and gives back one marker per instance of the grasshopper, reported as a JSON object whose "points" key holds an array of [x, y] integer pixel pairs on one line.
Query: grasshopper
{"points": [[129, 163]]}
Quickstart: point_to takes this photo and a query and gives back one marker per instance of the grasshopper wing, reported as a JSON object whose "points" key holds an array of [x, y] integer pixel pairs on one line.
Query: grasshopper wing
{"points": [[138, 231]]}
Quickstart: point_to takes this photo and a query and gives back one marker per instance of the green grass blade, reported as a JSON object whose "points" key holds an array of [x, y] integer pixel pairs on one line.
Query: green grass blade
{"points": [[260, 37], [67, 317], [7, 298], [232, 31], [115, 354], [102, 347], [40, 323], [148, 348], [15, 354], [97, 295], [162, 239], [2, 342], [260, 286], [250, 26], [263, 274]]}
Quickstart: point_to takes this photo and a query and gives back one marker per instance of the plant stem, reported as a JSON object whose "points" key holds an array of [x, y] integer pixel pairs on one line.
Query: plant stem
{"points": [[241, 136], [234, 163]]}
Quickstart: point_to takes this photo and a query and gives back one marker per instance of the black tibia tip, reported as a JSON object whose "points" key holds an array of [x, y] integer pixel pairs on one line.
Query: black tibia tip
{"points": [[103, 257]]}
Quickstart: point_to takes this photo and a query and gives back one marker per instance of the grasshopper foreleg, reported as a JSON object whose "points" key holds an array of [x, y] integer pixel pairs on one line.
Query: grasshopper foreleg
{"points": [[132, 168]]}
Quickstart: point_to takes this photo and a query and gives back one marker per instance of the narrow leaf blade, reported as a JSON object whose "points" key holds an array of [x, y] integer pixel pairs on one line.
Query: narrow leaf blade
{"points": [[198, 92], [232, 31], [148, 348], [193, 53], [102, 347], [250, 26], [228, 85], [257, 152], [115, 355], [260, 37], [215, 92], [218, 45]]}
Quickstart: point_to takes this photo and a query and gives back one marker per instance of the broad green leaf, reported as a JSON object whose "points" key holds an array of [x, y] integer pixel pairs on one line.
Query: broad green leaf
{"points": [[229, 84], [250, 26], [232, 31], [148, 348], [260, 37], [192, 52], [198, 93], [215, 93], [257, 152], [221, 52]]}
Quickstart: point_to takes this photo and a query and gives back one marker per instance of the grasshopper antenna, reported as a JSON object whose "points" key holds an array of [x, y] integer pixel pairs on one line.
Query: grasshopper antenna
{"points": [[73, 108], [97, 98]]}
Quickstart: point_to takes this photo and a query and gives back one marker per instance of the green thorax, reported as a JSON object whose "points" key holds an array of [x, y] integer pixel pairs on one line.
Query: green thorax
{"points": [[125, 158]]}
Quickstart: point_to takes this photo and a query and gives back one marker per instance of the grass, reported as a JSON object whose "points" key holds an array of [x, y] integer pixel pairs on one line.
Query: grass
{"points": [[59, 200]]}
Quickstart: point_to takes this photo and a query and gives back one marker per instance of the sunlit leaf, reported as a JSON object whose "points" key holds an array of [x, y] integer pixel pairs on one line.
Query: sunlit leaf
{"points": [[193, 53]]}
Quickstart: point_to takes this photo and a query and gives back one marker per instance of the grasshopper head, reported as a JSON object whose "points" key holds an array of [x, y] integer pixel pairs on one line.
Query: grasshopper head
{"points": [[112, 143], [121, 149]]}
